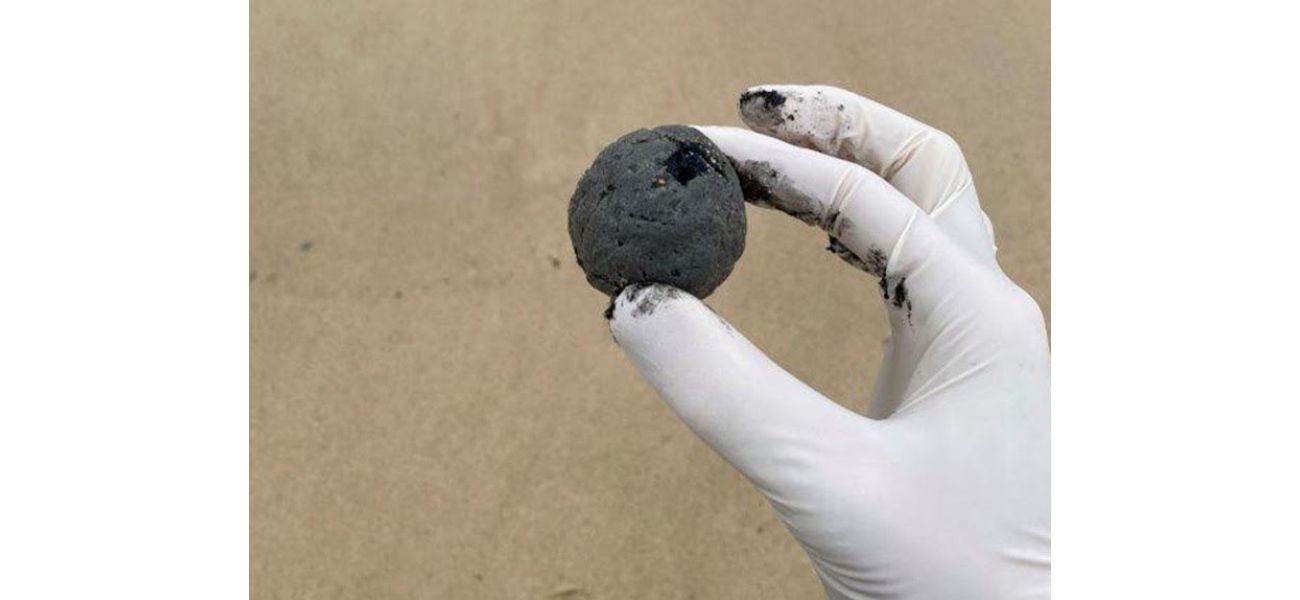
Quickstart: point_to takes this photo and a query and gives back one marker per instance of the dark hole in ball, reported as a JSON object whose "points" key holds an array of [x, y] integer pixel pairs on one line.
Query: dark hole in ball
{"points": [[688, 162]]}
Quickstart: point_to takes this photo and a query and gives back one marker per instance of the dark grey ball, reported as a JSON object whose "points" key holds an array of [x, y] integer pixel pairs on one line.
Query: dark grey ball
{"points": [[660, 205]]}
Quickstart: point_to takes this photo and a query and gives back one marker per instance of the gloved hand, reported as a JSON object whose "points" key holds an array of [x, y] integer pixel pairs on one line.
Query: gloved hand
{"points": [[943, 490]]}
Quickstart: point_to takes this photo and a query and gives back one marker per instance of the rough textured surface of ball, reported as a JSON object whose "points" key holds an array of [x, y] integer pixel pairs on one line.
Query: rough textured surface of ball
{"points": [[659, 205]]}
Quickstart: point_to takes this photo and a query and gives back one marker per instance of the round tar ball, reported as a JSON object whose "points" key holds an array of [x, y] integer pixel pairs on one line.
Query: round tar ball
{"points": [[660, 205]]}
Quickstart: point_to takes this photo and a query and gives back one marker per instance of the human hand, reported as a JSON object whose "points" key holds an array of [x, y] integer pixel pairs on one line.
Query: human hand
{"points": [[942, 491]]}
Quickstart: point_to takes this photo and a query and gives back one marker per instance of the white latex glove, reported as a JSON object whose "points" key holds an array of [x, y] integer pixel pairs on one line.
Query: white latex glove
{"points": [[943, 490]]}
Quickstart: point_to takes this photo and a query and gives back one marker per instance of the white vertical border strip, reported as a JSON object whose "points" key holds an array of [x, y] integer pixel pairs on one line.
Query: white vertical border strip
{"points": [[1174, 149], [123, 316]]}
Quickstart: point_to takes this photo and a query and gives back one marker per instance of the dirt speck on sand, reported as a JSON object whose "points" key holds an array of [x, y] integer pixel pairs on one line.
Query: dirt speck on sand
{"points": [[567, 591]]}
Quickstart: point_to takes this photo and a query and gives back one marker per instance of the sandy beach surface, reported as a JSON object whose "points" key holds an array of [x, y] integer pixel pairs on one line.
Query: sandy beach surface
{"points": [[437, 408]]}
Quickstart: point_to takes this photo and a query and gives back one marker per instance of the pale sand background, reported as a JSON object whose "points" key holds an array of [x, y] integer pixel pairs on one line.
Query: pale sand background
{"points": [[437, 408]]}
